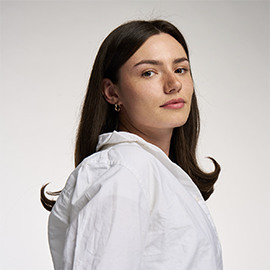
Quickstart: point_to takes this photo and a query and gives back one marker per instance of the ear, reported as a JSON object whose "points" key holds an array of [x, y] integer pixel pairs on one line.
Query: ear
{"points": [[109, 91]]}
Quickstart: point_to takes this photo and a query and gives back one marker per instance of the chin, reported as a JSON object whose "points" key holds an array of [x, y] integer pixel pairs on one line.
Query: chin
{"points": [[180, 123]]}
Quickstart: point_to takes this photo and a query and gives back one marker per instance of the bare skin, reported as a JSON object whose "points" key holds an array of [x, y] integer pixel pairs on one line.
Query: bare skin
{"points": [[154, 91]]}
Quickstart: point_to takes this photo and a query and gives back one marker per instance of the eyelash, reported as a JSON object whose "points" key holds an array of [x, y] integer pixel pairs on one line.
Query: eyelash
{"points": [[144, 74], [184, 70]]}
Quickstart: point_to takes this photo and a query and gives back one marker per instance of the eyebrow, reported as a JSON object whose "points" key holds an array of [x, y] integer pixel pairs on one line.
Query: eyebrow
{"points": [[159, 63]]}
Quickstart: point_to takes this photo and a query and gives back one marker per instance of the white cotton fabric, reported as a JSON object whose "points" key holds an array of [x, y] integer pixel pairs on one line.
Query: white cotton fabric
{"points": [[128, 207]]}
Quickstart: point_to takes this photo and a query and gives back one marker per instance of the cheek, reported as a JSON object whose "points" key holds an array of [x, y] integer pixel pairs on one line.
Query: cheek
{"points": [[189, 89], [191, 93], [132, 93]]}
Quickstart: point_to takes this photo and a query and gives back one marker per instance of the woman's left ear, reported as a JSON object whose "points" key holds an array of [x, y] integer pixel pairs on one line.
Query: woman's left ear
{"points": [[109, 91]]}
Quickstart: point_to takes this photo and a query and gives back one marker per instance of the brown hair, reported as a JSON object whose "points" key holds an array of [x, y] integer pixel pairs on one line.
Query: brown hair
{"points": [[99, 117]]}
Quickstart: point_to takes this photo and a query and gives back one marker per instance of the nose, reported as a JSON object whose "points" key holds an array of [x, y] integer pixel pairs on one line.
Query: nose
{"points": [[172, 83]]}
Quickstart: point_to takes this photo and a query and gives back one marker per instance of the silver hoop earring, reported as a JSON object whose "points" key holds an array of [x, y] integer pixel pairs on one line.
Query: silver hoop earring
{"points": [[117, 107]]}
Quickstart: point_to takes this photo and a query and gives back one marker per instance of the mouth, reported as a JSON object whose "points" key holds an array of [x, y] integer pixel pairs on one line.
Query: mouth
{"points": [[174, 104]]}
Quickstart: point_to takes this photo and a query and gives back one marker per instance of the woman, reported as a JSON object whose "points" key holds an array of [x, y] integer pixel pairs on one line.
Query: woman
{"points": [[136, 197]]}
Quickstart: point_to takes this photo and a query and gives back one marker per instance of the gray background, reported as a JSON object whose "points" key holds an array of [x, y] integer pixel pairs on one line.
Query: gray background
{"points": [[47, 49]]}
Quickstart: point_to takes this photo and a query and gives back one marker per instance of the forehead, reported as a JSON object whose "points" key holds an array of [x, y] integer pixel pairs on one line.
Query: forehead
{"points": [[162, 47]]}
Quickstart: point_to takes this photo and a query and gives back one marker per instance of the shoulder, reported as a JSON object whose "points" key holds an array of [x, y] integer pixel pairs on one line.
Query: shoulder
{"points": [[121, 166], [133, 154], [129, 156]]}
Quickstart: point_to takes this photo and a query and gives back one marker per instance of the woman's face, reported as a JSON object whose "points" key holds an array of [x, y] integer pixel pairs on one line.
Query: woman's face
{"points": [[155, 87]]}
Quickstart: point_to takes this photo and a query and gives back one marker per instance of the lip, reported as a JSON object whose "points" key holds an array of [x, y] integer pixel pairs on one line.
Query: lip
{"points": [[174, 104]]}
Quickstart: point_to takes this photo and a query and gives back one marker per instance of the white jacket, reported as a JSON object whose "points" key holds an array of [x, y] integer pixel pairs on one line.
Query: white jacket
{"points": [[128, 207]]}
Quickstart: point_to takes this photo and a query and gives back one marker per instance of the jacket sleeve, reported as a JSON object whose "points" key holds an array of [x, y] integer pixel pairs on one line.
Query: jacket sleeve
{"points": [[110, 231]]}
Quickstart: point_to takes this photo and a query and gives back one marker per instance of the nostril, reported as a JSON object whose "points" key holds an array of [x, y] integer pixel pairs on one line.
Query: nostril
{"points": [[173, 84]]}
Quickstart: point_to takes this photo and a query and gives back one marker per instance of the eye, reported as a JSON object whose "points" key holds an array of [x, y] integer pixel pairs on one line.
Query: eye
{"points": [[181, 70], [148, 73]]}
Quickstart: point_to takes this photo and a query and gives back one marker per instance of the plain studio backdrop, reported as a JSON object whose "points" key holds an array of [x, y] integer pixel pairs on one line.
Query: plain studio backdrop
{"points": [[47, 50]]}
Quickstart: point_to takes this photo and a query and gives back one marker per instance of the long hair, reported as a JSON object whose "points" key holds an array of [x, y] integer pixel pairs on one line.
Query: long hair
{"points": [[98, 116]]}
